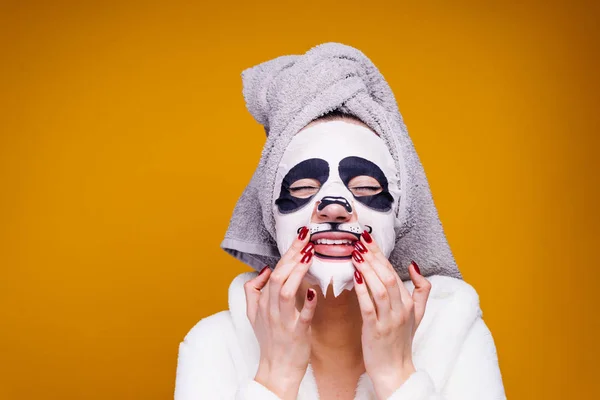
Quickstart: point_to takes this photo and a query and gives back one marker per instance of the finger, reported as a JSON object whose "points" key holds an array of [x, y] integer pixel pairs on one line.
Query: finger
{"points": [[367, 308], [288, 292], [290, 258], [252, 289], [307, 312], [263, 303], [373, 248], [284, 268], [378, 290], [367, 240], [386, 274], [298, 244], [369, 245], [421, 291], [404, 292]]}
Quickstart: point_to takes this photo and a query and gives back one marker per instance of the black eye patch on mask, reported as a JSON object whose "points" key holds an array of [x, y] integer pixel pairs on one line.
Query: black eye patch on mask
{"points": [[313, 168], [351, 167]]}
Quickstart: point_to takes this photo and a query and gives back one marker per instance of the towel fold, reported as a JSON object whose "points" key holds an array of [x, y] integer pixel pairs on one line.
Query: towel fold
{"points": [[285, 94]]}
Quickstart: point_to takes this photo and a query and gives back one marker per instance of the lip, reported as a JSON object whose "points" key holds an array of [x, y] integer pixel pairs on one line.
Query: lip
{"points": [[335, 251]]}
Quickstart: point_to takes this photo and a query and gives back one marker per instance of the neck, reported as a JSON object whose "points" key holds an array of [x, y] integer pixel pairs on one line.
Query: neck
{"points": [[336, 330]]}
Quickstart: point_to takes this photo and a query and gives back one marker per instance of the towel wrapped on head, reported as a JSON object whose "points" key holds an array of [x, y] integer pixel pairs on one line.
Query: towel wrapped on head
{"points": [[288, 92]]}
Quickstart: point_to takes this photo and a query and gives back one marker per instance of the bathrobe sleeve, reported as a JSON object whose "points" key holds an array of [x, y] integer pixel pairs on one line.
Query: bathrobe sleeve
{"points": [[475, 375], [205, 368]]}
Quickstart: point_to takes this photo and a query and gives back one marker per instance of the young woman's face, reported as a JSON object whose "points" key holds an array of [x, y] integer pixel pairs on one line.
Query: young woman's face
{"points": [[338, 179]]}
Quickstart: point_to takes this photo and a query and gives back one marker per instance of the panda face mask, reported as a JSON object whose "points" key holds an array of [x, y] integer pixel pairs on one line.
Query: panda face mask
{"points": [[338, 179]]}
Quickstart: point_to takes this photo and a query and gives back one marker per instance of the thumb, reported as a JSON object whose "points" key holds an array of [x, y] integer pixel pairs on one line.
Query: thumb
{"points": [[252, 289], [420, 293]]}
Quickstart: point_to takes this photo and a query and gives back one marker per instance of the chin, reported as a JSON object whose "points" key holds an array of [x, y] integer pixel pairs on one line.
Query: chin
{"points": [[339, 273]]}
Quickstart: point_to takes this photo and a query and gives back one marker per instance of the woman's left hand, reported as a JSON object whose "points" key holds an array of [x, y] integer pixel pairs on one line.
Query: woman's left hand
{"points": [[390, 316]]}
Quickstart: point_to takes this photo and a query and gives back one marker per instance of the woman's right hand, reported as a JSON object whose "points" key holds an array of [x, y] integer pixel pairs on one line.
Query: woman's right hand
{"points": [[282, 331]]}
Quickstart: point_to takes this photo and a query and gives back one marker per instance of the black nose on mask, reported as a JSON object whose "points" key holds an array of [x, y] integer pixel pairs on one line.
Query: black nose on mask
{"points": [[328, 200]]}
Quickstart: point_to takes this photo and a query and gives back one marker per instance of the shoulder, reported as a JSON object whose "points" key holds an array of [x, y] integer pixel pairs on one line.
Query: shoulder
{"points": [[226, 328], [218, 326], [213, 329], [448, 292], [446, 286], [237, 295], [452, 325], [205, 364], [452, 309], [218, 350], [207, 348], [226, 332]]}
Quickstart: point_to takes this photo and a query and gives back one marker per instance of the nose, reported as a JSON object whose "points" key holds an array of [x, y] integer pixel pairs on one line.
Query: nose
{"points": [[333, 209]]}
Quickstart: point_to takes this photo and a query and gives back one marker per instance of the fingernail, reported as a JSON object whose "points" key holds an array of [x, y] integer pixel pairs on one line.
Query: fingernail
{"points": [[358, 276], [302, 233], [263, 270], [357, 256], [307, 248], [306, 258], [416, 267], [360, 247], [367, 237], [310, 294]]}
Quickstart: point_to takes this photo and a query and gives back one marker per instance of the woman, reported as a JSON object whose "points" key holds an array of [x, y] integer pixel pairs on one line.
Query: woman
{"points": [[340, 212]]}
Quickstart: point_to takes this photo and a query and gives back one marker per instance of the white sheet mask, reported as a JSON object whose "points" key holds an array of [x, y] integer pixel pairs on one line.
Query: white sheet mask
{"points": [[332, 153]]}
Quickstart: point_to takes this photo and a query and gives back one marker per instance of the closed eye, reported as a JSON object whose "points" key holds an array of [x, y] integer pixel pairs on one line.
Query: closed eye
{"points": [[304, 188], [364, 186], [365, 190]]}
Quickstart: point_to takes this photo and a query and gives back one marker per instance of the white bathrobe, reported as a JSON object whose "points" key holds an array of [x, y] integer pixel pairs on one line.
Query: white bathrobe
{"points": [[453, 352]]}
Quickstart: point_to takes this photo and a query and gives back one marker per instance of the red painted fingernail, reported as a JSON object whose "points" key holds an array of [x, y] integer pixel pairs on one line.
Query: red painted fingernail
{"points": [[263, 270], [367, 237], [310, 294], [307, 248], [357, 256], [302, 233], [306, 258], [358, 277], [360, 247], [416, 267]]}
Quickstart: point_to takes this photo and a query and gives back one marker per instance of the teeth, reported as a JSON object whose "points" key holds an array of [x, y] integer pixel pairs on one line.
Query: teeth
{"points": [[333, 241]]}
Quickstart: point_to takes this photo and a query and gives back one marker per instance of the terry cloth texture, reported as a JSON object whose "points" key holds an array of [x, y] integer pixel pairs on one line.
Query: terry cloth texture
{"points": [[284, 95], [454, 353]]}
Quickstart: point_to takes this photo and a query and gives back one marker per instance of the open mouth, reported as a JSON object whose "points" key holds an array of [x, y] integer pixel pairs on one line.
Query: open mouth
{"points": [[334, 244]]}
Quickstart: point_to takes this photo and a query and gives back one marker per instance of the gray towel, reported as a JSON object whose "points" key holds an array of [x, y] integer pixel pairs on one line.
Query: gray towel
{"points": [[288, 92]]}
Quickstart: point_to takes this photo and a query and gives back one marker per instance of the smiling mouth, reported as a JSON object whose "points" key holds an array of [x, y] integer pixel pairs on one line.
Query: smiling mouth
{"points": [[334, 244]]}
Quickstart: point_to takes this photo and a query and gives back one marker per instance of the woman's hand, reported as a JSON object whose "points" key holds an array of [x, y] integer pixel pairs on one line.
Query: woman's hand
{"points": [[282, 331], [390, 317]]}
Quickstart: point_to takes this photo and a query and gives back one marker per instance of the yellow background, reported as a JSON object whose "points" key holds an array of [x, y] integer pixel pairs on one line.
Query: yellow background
{"points": [[125, 143]]}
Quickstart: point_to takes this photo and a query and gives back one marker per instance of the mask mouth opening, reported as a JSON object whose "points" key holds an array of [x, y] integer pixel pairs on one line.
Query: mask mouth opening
{"points": [[334, 244]]}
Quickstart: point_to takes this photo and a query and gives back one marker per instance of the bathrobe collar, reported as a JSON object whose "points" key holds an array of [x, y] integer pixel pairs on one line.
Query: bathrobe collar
{"points": [[452, 308]]}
